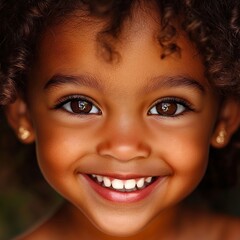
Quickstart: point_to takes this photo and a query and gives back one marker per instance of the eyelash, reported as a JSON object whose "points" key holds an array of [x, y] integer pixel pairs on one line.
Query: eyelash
{"points": [[167, 101], [172, 100]]}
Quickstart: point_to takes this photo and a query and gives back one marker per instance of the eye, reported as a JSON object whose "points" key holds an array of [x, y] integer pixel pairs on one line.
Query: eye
{"points": [[79, 106], [170, 108]]}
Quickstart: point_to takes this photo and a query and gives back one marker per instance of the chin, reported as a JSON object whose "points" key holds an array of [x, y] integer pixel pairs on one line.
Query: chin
{"points": [[120, 226], [119, 231]]}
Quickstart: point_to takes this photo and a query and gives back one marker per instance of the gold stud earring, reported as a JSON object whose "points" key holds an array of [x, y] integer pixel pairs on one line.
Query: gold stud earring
{"points": [[23, 133], [220, 139]]}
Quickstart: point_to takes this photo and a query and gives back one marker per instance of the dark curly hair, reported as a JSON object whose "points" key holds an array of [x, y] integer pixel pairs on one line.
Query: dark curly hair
{"points": [[212, 25]]}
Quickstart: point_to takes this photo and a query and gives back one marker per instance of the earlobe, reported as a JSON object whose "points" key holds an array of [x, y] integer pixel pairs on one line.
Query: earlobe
{"points": [[220, 137], [18, 118], [227, 124]]}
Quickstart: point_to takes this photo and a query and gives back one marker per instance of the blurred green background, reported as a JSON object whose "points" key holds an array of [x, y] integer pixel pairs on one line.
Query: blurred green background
{"points": [[25, 197]]}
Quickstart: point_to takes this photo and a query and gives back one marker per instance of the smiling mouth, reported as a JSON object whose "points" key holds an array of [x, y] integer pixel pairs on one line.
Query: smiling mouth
{"points": [[129, 185]]}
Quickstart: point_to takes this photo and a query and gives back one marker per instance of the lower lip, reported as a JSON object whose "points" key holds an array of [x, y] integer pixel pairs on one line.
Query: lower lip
{"points": [[122, 197]]}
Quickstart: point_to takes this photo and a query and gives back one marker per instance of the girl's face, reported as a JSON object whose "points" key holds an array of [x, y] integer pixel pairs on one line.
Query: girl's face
{"points": [[139, 123]]}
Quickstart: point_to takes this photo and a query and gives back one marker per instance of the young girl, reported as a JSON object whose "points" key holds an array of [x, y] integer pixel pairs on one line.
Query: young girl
{"points": [[124, 100]]}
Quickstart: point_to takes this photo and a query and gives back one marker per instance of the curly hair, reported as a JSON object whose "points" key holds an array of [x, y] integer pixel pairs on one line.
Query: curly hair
{"points": [[212, 25]]}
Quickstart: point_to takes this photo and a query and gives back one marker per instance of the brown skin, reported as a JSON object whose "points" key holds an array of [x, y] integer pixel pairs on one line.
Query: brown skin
{"points": [[126, 136]]}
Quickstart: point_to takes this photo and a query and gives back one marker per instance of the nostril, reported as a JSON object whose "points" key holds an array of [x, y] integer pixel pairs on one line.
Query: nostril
{"points": [[124, 152]]}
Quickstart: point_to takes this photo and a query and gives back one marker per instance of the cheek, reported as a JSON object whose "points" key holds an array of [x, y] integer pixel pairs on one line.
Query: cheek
{"points": [[189, 159], [190, 149], [186, 151], [59, 149]]}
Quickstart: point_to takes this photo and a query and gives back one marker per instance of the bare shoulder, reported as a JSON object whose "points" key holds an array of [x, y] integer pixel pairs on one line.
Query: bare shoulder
{"points": [[44, 229], [225, 227], [38, 232], [212, 226], [53, 227], [231, 228]]}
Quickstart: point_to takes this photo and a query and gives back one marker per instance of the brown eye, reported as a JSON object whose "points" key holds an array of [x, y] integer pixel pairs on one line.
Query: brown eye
{"points": [[80, 106], [167, 108]]}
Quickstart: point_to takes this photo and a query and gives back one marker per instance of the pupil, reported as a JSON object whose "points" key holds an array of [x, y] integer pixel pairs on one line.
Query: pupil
{"points": [[79, 106]]}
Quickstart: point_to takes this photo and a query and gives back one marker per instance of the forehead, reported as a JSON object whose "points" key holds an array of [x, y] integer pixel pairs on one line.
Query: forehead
{"points": [[81, 28], [78, 44]]}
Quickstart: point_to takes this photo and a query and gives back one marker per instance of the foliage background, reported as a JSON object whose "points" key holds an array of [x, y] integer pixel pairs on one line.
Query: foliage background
{"points": [[25, 197]]}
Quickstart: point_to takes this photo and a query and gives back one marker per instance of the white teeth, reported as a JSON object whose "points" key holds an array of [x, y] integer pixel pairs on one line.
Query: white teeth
{"points": [[130, 184], [140, 183], [99, 178], [117, 184], [107, 182], [148, 180]]}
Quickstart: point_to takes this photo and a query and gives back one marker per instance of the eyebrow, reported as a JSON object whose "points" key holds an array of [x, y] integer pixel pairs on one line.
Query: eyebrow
{"points": [[81, 80], [174, 81], [154, 83]]}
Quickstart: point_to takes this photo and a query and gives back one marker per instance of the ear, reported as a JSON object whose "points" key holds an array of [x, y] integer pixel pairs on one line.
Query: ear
{"points": [[227, 124], [19, 119]]}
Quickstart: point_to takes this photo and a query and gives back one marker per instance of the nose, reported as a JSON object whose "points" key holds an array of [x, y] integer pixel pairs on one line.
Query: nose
{"points": [[124, 141]]}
